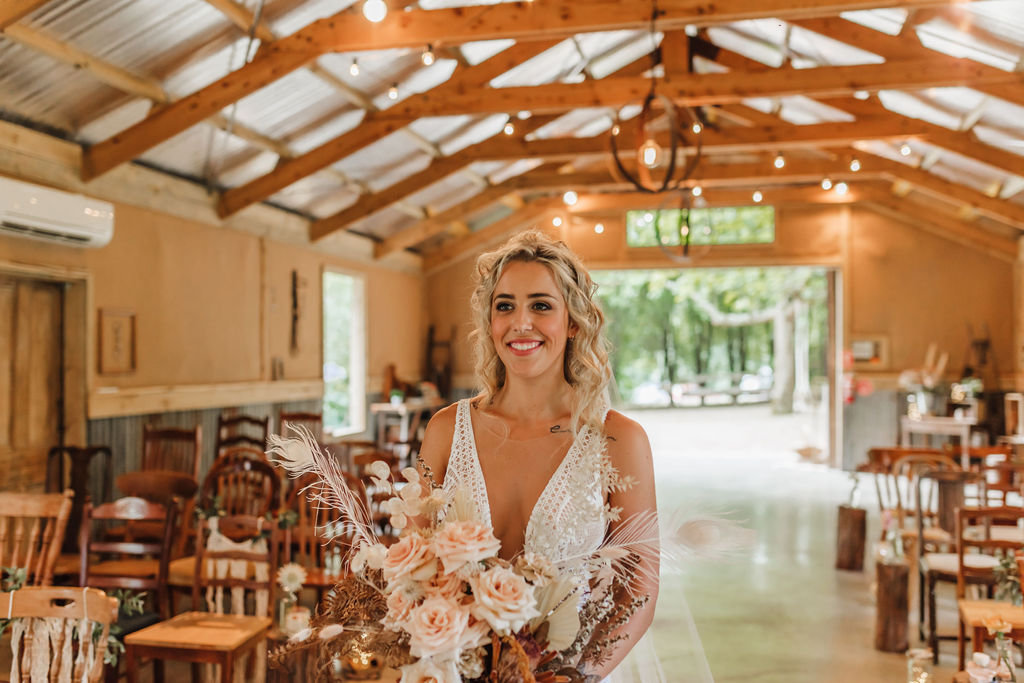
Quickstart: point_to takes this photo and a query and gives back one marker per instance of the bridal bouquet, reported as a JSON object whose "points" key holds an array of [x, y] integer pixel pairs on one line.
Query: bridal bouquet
{"points": [[439, 603]]}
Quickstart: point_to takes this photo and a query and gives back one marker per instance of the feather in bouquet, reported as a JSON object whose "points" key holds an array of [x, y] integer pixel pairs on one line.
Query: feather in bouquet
{"points": [[442, 606]]}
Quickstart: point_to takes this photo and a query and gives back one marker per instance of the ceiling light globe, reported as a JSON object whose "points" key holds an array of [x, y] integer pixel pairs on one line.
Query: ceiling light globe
{"points": [[375, 10], [570, 198]]}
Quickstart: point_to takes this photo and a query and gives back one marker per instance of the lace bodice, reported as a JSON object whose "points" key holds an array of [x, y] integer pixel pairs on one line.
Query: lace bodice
{"points": [[568, 519]]}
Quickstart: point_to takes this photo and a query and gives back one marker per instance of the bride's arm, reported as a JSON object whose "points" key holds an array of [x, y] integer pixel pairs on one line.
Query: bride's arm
{"points": [[437, 442], [630, 453]]}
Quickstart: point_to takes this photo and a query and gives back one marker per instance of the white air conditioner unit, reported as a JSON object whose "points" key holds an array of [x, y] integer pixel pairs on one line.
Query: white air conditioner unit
{"points": [[40, 213]]}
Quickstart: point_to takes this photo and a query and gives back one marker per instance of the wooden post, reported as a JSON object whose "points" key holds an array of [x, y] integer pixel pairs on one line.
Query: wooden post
{"points": [[892, 606], [850, 538]]}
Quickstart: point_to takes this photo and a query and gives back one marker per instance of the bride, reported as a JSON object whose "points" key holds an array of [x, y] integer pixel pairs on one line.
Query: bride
{"points": [[534, 448]]}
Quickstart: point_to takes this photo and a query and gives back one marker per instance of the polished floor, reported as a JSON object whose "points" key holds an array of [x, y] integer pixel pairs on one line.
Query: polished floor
{"points": [[779, 613]]}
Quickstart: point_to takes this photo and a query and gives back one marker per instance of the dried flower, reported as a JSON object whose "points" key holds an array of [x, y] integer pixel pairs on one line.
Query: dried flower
{"points": [[291, 576], [996, 626], [535, 568]]}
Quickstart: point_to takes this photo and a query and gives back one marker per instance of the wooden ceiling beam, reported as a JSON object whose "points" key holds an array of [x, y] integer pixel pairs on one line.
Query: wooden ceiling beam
{"points": [[604, 204], [544, 19], [243, 18], [726, 141], [271, 63], [709, 89], [13, 10], [533, 212], [929, 183], [896, 47], [369, 131], [113, 76]]}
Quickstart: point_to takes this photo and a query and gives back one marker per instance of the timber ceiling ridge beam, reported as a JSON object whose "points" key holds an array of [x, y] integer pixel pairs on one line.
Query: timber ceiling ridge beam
{"points": [[369, 131], [605, 204], [535, 211], [438, 169], [997, 209], [898, 48], [938, 223], [708, 89], [13, 10]]}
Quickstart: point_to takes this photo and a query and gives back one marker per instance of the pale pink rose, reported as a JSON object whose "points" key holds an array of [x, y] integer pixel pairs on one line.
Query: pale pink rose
{"points": [[503, 599], [399, 608], [412, 556], [447, 585], [458, 543], [437, 628], [429, 671]]}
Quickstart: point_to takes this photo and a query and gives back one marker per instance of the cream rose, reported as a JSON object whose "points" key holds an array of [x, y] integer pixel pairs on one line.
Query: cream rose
{"points": [[400, 606], [447, 585], [412, 556], [437, 628], [429, 671], [459, 543], [503, 599]]}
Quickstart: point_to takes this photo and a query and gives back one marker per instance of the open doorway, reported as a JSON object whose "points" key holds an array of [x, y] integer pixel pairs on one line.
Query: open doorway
{"points": [[759, 338]]}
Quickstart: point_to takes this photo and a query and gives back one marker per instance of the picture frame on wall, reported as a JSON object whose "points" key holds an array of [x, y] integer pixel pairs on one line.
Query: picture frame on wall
{"points": [[116, 341], [870, 352]]}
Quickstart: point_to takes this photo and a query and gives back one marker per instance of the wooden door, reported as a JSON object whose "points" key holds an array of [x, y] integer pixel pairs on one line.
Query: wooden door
{"points": [[30, 380]]}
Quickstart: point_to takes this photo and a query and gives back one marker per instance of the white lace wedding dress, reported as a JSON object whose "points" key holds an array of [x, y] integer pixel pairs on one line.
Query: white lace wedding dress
{"points": [[567, 521]]}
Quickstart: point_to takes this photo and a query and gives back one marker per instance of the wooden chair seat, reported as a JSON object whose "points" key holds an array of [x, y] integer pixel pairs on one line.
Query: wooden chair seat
{"points": [[181, 572], [947, 563], [148, 568]]}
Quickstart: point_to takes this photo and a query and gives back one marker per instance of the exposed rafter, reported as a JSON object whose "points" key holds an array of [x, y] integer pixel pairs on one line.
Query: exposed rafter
{"points": [[706, 89], [13, 10]]}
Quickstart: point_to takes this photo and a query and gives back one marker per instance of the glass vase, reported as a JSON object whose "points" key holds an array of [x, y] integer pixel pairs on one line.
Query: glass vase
{"points": [[1004, 652], [919, 665], [288, 600]]}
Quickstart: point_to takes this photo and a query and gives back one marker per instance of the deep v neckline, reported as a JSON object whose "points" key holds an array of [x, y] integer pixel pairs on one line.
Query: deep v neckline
{"points": [[544, 491]]}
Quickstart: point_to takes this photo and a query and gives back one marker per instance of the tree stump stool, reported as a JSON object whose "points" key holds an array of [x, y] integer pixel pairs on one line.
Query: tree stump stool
{"points": [[892, 601], [850, 538]]}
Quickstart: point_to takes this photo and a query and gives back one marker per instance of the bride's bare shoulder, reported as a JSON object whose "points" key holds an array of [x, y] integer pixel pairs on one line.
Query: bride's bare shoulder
{"points": [[437, 441]]}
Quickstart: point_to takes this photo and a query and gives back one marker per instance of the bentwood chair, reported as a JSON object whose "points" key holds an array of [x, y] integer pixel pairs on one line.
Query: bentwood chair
{"points": [[53, 614], [313, 422]]}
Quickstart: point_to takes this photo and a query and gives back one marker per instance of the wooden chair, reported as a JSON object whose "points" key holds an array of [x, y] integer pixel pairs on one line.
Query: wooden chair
{"points": [[375, 498], [36, 609], [128, 562], [68, 467], [32, 527], [172, 448], [241, 430], [317, 532], [217, 636], [243, 483], [974, 533], [314, 422], [937, 565], [881, 466]]}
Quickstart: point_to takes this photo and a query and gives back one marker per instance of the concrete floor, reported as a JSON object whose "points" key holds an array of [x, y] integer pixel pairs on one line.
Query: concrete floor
{"points": [[780, 613]]}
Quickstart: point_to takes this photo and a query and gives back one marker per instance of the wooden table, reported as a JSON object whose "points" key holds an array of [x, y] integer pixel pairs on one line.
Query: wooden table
{"points": [[197, 637], [409, 413], [975, 612], [940, 426]]}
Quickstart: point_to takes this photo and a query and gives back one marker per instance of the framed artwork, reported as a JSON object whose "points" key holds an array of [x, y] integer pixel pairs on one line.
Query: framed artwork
{"points": [[870, 352], [117, 341]]}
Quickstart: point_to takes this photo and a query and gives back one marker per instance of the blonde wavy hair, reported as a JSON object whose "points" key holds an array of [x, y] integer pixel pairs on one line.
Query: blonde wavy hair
{"points": [[586, 366]]}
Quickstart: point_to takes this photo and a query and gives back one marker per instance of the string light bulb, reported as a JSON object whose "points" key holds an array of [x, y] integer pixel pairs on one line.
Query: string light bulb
{"points": [[826, 184], [375, 10], [696, 128], [697, 191], [757, 196], [354, 69], [570, 197], [393, 92], [650, 153], [598, 228], [855, 164], [905, 150], [556, 221], [780, 161], [510, 127], [428, 56], [616, 129], [842, 188]]}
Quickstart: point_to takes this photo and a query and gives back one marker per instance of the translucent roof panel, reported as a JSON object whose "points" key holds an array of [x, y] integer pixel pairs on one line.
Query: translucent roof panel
{"points": [[943, 37], [889, 21]]}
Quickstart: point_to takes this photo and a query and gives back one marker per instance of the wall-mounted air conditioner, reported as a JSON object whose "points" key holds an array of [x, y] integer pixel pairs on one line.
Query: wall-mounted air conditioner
{"points": [[41, 213]]}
